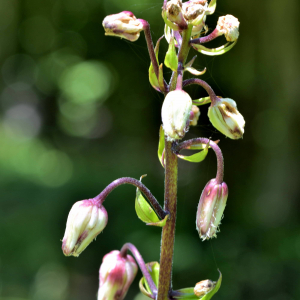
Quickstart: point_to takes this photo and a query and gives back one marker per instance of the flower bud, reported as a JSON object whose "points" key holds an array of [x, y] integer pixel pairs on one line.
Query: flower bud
{"points": [[175, 114], [86, 220], [193, 8], [116, 275], [124, 25], [210, 208], [229, 26], [174, 13], [194, 115], [226, 118], [203, 287]]}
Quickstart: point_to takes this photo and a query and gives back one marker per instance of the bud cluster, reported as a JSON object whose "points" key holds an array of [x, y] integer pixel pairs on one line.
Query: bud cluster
{"points": [[190, 12]]}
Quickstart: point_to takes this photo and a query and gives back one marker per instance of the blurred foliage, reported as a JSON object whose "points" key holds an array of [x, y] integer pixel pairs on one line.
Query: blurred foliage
{"points": [[77, 111]]}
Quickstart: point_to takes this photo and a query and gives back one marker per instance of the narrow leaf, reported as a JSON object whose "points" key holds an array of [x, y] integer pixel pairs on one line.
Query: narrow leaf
{"points": [[190, 63], [202, 101], [161, 144], [152, 76], [171, 60], [216, 51], [161, 78], [194, 71], [197, 157]]}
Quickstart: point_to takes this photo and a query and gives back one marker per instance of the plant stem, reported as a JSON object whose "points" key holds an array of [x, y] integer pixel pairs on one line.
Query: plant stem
{"points": [[182, 54], [214, 146], [128, 180], [205, 85], [146, 27], [216, 33], [138, 257], [171, 170], [168, 231]]}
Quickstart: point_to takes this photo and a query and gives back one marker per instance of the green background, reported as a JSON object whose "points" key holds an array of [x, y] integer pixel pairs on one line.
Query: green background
{"points": [[77, 111]]}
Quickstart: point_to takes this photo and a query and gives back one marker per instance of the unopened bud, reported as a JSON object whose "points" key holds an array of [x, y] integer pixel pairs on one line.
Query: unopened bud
{"points": [[192, 9], [175, 114], [116, 275], [174, 13], [194, 116], [203, 287], [229, 26], [124, 25], [210, 208], [226, 118], [87, 218]]}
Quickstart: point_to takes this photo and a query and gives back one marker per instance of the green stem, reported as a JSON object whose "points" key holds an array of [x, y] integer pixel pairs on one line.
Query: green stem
{"points": [[170, 204]]}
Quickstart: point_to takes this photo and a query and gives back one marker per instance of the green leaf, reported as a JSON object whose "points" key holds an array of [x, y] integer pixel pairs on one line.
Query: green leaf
{"points": [[202, 101], [194, 71], [188, 293], [160, 223], [211, 7], [197, 157], [209, 295], [216, 51], [153, 268], [171, 60], [152, 76], [143, 209], [161, 144], [161, 78]]}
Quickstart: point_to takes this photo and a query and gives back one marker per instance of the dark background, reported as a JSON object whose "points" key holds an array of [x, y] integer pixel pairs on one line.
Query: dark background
{"points": [[77, 111]]}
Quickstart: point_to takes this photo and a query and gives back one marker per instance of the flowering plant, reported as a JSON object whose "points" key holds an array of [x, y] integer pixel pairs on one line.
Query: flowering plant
{"points": [[185, 28]]}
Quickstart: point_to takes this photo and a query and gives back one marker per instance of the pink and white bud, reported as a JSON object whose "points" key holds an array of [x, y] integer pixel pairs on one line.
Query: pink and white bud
{"points": [[174, 13], [87, 218], [175, 114], [116, 275], [203, 287], [225, 116], [229, 26], [124, 25], [210, 208], [194, 115]]}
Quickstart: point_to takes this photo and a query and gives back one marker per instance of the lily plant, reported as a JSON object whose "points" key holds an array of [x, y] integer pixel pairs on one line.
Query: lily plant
{"points": [[185, 29]]}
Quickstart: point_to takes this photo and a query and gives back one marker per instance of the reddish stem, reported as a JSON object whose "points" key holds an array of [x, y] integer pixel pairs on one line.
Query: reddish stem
{"points": [[128, 180]]}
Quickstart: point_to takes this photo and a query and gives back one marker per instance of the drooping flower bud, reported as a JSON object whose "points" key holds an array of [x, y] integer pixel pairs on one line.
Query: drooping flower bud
{"points": [[210, 208], [194, 115], [116, 275], [203, 287], [175, 114], [226, 118], [174, 13], [87, 218], [229, 26], [124, 25]]}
